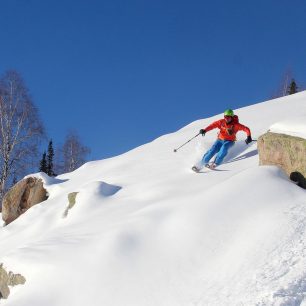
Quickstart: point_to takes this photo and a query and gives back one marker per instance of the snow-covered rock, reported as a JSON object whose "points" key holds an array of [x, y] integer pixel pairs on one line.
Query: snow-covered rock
{"points": [[21, 197], [295, 126], [287, 152], [7, 280]]}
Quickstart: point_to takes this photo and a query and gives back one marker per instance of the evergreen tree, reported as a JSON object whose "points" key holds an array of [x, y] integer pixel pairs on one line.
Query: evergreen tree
{"points": [[43, 164], [50, 156], [292, 88]]}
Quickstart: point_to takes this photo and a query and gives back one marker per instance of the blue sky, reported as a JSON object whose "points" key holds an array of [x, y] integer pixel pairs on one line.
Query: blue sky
{"points": [[122, 73]]}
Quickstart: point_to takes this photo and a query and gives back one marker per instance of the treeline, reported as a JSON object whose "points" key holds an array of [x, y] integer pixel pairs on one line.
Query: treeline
{"points": [[69, 156], [288, 86], [22, 135]]}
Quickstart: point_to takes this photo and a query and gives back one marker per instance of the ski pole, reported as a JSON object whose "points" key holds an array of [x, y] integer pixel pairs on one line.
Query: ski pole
{"points": [[253, 140], [175, 150]]}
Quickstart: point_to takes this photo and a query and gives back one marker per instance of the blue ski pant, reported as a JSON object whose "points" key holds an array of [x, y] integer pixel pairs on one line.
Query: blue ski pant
{"points": [[220, 147]]}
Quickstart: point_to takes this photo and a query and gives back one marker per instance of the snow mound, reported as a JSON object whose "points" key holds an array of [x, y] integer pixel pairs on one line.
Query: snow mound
{"points": [[100, 189], [293, 126]]}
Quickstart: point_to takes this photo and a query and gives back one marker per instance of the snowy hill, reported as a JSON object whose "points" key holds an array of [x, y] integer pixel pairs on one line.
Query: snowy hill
{"points": [[146, 230]]}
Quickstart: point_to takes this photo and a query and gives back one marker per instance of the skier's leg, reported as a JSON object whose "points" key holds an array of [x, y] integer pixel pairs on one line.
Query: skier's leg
{"points": [[212, 151], [223, 151]]}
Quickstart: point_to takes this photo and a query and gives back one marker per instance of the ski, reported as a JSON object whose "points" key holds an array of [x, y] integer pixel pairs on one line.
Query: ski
{"points": [[208, 166], [195, 169]]}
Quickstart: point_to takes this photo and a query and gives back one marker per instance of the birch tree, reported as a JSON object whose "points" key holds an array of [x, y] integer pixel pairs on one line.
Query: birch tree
{"points": [[74, 152], [20, 129]]}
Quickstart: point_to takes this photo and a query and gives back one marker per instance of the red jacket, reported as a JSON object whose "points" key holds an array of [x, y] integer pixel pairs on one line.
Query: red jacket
{"points": [[228, 131]]}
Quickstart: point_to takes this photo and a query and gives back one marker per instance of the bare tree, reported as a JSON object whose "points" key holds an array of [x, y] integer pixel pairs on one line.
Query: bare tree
{"points": [[20, 129], [286, 82], [74, 152], [284, 85]]}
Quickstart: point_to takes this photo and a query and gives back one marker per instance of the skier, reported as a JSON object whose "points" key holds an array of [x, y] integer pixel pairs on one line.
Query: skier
{"points": [[228, 127]]}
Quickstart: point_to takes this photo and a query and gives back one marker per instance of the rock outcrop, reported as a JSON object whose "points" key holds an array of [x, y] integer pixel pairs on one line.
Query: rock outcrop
{"points": [[21, 197], [9, 279], [287, 152], [71, 202]]}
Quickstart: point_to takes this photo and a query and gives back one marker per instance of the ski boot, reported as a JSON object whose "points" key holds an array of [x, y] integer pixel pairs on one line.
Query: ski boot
{"points": [[196, 169], [212, 166]]}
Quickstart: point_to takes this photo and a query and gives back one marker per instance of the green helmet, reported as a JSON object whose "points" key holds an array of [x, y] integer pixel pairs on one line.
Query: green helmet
{"points": [[229, 112]]}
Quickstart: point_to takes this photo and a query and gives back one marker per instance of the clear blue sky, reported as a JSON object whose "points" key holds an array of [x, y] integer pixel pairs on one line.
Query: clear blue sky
{"points": [[123, 72]]}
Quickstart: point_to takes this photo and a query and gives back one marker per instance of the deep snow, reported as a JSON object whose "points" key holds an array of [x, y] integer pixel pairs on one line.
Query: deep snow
{"points": [[292, 126], [146, 230]]}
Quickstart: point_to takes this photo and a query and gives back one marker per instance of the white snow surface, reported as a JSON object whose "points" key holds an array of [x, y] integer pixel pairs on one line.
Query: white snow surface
{"points": [[147, 231], [295, 126]]}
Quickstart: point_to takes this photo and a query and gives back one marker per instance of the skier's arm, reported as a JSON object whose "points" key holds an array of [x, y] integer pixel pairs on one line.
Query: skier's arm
{"points": [[214, 125], [244, 128]]}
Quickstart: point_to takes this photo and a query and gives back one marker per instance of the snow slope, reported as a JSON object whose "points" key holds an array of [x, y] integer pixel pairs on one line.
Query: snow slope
{"points": [[146, 230]]}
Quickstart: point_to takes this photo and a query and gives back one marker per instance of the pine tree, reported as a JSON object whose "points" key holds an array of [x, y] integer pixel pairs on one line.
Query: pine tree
{"points": [[292, 88], [50, 156], [43, 164]]}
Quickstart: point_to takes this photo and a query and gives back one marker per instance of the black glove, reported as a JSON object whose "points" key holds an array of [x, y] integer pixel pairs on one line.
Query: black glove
{"points": [[202, 132], [248, 140]]}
